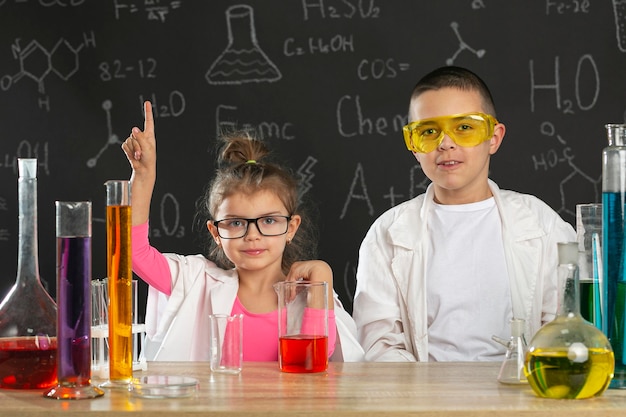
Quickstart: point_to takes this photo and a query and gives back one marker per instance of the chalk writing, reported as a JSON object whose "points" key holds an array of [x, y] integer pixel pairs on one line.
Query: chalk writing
{"points": [[336, 44], [567, 6], [380, 68], [224, 114], [26, 149], [417, 187], [462, 46], [577, 178], [36, 62], [111, 140], [585, 66], [50, 3], [153, 9], [349, 107], [364, 9], [243, 60], [170, 227], [393, 197], [116, 70], [174, 107], [305, 174], [358, 191]]}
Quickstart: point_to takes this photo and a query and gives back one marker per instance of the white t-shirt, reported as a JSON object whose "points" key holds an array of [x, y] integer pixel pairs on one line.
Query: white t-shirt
{"points": [[469, 295]]}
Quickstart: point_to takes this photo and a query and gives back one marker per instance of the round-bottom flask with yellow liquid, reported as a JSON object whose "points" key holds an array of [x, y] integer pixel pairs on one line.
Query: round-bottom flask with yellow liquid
{"points": [[569, 357]]}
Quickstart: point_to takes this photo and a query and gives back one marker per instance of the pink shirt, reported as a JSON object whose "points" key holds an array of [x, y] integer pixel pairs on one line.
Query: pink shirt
{"points": [[260, 342]]}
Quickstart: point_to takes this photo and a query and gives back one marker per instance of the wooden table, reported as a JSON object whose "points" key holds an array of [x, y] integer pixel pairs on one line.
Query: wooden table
{"points": [[347, 389]]}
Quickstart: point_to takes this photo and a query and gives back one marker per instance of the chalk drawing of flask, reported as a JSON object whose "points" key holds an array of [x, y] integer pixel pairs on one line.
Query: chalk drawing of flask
{"points": [[242, 61], [619, 7]]}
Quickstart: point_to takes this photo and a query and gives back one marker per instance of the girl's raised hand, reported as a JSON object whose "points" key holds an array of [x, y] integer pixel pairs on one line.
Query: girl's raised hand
{"points": [[140, 150], [140, 146]]}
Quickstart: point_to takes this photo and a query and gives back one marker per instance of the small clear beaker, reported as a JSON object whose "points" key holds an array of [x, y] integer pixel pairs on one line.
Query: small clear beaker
{"points": [[302, 326], [512, 368], [226, 343]]}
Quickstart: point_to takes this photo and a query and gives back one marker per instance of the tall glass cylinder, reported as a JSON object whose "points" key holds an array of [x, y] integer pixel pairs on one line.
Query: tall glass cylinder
{"points": [[613, 285], [73, 233], [119, 272], [28, 344]]}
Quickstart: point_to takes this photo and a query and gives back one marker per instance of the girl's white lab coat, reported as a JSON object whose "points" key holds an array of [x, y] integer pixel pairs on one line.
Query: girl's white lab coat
{"points": [[177, 327]]}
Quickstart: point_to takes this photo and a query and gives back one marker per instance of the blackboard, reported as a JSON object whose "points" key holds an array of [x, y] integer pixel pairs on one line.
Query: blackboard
{"points": [[329, 91]]}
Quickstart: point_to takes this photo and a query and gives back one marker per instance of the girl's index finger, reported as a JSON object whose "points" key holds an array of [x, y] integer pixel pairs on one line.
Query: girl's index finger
{"points": [[148, 125]]}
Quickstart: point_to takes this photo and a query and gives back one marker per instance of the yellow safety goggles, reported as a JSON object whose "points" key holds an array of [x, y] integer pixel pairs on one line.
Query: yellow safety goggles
{"points": [[468, 129]]}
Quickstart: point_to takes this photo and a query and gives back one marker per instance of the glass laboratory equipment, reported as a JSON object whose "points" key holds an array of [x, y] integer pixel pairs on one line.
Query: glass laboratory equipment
{"points": [[120, 278], [28, 343], [613, 286], [589, 237], [302, 326], [73, 264], [569, 357], [512, 368]]}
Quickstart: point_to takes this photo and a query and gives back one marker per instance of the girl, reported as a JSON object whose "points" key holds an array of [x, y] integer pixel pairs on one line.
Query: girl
{"points": [[256, 237]]}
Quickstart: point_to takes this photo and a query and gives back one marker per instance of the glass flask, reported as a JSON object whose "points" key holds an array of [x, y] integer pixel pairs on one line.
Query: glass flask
{"points": [[28, 344], [613, 284], [512, 368], [73, 233], [569, 357]]}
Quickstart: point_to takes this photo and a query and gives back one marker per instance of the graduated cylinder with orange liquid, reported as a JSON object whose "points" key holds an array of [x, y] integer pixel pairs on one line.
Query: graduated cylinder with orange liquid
{"points": [[119, 274]]}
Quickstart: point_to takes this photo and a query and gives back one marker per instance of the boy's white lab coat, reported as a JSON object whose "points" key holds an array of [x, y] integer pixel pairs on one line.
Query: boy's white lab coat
{"points": [[390, 300], [177, 327]]}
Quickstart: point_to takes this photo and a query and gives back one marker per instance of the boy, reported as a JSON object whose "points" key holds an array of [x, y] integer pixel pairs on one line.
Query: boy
{"points": [[440, 274]]}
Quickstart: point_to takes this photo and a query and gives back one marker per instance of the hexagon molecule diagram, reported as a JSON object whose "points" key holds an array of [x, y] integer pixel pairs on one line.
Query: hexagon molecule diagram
{"points": [[36, 62]]}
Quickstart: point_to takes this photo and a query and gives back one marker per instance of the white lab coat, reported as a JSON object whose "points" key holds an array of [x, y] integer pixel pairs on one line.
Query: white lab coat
{"points": [[177, 327], [390, 299]]}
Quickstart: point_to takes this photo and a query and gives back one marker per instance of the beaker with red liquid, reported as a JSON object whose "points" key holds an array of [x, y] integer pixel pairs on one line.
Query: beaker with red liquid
{"points": [[302, 326]]}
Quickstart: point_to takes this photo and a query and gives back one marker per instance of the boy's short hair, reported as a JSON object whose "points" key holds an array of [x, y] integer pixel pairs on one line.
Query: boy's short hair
{"points": [[455, 77]]}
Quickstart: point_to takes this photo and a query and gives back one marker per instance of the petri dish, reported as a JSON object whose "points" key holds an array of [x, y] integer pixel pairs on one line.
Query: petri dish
{"points": [[163, 386]]}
